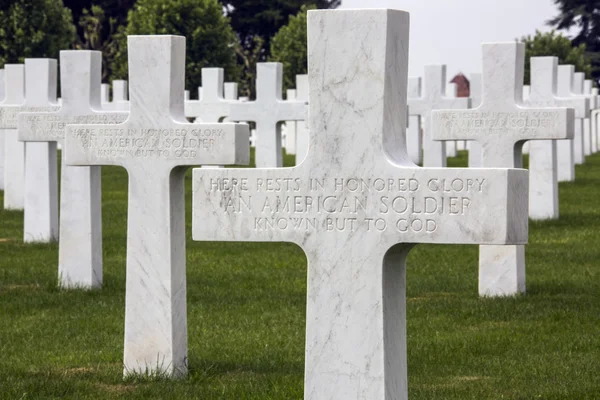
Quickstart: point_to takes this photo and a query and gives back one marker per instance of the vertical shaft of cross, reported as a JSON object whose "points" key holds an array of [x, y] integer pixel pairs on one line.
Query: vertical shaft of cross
{"points": [[155, 304], [14, 169], [414, 138], [41, 174], [80, 248], [302, 138], [268, 85]]}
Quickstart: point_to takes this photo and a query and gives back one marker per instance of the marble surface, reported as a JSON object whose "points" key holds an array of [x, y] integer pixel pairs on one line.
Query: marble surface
{"points": [[14, 151], [473, 146], [2, 139], [290, 127], [41, 169], [543, 159], [268, 111], [414, 134], [155, 144], [80, 228], [433, 98], [212, 106], [501, 124], [451, 92], [302, 138], [585, 127], [566, 148], [120, 95], [357, 204]]}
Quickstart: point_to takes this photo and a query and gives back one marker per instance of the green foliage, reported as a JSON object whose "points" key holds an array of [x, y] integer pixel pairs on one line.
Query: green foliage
{"points": [[210, 41], [552, 44], [289, 47], [95, 36], [34, 28], [581, 17]]}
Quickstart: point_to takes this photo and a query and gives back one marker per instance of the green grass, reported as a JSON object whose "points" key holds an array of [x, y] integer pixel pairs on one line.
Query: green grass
{"points": [[246, 306]]}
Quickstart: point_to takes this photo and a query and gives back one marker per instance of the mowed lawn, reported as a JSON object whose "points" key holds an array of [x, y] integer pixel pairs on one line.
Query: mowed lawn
{"points": [[246, 315]]}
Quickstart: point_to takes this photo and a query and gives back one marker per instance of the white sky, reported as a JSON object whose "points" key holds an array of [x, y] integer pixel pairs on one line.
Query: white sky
{"points": [[451, 31]]}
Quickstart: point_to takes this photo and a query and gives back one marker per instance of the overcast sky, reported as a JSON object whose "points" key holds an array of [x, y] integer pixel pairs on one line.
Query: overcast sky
{"points": [[451, 31]]}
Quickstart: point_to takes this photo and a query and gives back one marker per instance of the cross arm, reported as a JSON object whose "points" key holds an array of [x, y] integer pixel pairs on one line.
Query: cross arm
{"points": [[179, 144], [488, 126], [43, 127], [396, 205]]}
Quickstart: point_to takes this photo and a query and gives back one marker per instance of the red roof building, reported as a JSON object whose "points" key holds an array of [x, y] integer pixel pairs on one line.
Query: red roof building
{"points": [[462, 85]]}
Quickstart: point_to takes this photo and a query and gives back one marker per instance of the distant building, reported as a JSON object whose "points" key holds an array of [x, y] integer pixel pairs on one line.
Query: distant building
{"points": [[462, 85]]}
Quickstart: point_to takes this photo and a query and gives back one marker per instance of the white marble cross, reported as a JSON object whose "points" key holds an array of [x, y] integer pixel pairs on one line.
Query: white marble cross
{"points": [[567, 149], [41, 184], [414, 136], [543, 164], [14, 151], [475, 91], [588, 89], [357, 205], [2, 95], [451, 92], [80, 228], [302, 127], [120, 101], [155, 145], [578, 89], [231, 90], [212, 105], [268, 111], [434, 91], [105, 95], [501, 125], [290, 127]]}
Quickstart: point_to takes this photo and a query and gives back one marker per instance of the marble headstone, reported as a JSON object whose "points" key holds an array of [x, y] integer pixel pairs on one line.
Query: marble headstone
{"points": [[80, 228], [357, 204], [567, 148], [543, 161], [301, 127], [120, 95], [155, 145], [2, 94], [434, 98], [414, 134], [14, 151], [268, 111], [290, 127], [475, 95], [212, 105], [501, 125]]}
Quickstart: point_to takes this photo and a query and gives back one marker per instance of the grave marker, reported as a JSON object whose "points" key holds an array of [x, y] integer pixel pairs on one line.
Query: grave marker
{"points": [[566, 148], [120, 100], [434, 90], [578, 89], [473, 146], [543, 161], [155, 145], [211, 106], [357, 205], [80, 228], [14, 170], [588, 91], [302, 127], [2, 146], [268, 111], [451, 92], [501, 125], [414, 134], [290, 127], [41, 185]]}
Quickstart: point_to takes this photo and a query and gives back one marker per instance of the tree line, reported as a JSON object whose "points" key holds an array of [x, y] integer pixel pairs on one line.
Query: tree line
{"points": [[232, 34]]}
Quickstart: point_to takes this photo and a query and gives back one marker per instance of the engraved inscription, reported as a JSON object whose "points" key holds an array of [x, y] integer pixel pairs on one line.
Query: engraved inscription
{"points": [[52, 126], [345, 204], [8, 115], [477, 123], [110, 143]]}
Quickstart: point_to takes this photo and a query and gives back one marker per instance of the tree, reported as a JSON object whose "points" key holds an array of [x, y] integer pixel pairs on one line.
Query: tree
{"points": [[552, 44], [289, 46], [94, 37], [250, 18], [34, 28], [583, 18], [210, 41]]}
